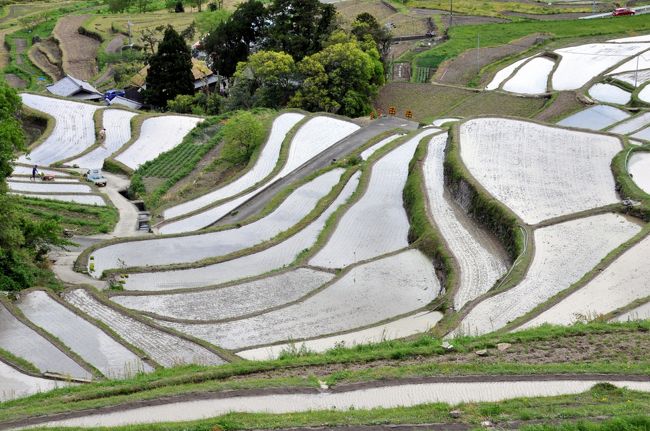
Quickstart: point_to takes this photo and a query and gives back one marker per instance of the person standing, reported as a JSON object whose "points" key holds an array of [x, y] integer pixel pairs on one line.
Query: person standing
{"points": [[34, 172]]}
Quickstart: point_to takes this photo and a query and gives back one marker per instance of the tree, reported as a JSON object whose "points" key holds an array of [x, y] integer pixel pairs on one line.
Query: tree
{"points": [[342, 78], [298, 27], [24, 243], [241, 136], [265, 80], [233, 39], [170, 70], [366, 25]]}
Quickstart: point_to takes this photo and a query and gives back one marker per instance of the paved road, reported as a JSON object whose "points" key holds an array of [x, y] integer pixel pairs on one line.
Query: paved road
{"points": [[336, 151]]}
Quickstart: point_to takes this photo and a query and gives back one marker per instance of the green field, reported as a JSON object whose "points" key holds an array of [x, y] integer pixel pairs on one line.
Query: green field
{"points": [[80, 219]]}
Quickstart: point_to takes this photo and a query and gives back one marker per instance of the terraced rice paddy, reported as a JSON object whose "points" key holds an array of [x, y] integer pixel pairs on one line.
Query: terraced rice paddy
{"points": [[368, 152], [377, 223], [24, 342], [91, 343], [14, 384], [579, 64], [634, 123], [250, 265], [531, 78], [610, 94], [635, 78], [118, 132], [539, 172], [193, 248], [264, 165], [624, 281], [596, 117], [315, 136], [85, 199], [163, 348], [73, 132], [639, 313], [481, 264], [46, 187], [367, 294], [642, 134], [559, 262], [639, 169], [504, 74], [157, 135], [231, 301], [27, 170], [417, 323]]}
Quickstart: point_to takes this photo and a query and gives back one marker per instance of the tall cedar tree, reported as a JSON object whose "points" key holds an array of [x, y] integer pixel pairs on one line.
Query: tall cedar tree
{"points": [[299, 27], [170, 70], [232, 40]]}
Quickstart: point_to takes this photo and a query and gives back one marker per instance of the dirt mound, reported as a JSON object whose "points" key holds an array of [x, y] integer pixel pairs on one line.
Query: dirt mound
{"points": [[79, 51], [462, 69]]}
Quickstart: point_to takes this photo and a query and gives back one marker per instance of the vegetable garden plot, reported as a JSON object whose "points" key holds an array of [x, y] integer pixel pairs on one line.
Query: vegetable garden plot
{"points": [[580, 64], [634, 123], [197, 247], [157, 135], [22, 341], [504, 74], [368, 294], [111, 358], [639, 169], [27, 170], [264, 165], [315, 136], [622, 282], [639, 313], [43, 187], [561, 259], [86, 199], [365, 154], [531, 78], [166, 349], [232, 301], [273, 258], [117, 123], [377, 223], [610, 94], [73, 132], [479, 266], [417, 323], [14, 384], [596, 117], [540, 172]]}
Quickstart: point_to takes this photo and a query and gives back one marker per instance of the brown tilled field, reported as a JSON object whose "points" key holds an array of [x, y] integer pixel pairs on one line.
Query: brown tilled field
{"points": [[79, 51], [41, 60]]}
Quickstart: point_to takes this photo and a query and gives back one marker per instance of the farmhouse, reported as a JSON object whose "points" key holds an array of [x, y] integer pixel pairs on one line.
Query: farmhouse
{"points": [[74, 88], [203, 76]]}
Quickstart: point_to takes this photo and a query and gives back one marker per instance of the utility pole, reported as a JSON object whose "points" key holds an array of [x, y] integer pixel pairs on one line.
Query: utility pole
{"points": [[451, 13], [636, 72], [478, 53]]}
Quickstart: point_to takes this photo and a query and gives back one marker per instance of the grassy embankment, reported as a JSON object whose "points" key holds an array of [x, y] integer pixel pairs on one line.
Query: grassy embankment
{"points": [[538, 351]]}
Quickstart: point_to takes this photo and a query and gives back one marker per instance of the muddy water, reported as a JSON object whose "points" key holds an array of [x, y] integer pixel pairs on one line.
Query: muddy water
{"points": [[14, 384], [386, 397]]}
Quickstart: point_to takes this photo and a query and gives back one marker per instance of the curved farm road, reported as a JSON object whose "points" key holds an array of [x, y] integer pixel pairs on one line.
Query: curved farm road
{"points": [[378, 394]]}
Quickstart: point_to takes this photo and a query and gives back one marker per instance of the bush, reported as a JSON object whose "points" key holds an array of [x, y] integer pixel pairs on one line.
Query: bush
{"points": [[241, 136]]}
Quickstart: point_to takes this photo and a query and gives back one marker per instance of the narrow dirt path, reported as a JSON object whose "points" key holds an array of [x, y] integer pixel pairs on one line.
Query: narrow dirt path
{"points": [[127, 224], [115, 44], [382, 394]]}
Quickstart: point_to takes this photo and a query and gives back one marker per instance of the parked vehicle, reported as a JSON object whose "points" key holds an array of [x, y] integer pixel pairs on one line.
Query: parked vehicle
{"points": [[622, 11], [95, 176], [112, 94]]}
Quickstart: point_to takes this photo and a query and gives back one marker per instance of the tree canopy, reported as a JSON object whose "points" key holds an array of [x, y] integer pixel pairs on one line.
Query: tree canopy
{"points": [[170, 70], [24, 242]]}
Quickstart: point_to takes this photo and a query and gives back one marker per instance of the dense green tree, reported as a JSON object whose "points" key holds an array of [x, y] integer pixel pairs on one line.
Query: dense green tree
{"points": [[242, 135], [298, 27], [366, 25], [170, 70], [342, 78], [233, 39], [24, 242], [265, 80]]}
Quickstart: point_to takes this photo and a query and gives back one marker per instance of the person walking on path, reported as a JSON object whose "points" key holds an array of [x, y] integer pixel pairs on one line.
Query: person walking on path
{"points": [[102, 136], [34, 172]]}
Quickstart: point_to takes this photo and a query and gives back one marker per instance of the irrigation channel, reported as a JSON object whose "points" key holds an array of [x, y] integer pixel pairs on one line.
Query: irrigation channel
{"points": [[450, 390]]}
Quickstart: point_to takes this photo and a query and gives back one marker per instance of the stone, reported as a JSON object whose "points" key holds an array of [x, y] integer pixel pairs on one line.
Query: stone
{"points": [[447, 346], [455, 414], [502, 347], [482, 352]]}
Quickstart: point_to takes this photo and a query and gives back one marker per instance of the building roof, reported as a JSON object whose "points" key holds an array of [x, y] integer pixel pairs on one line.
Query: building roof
{"points": [[200, 71], [69, 86], [119, 100]]}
